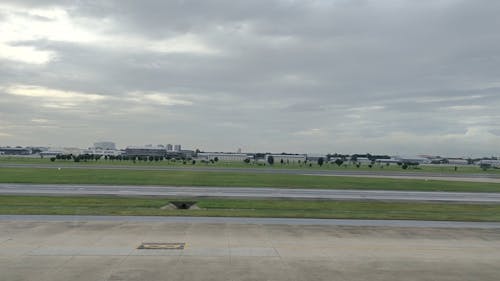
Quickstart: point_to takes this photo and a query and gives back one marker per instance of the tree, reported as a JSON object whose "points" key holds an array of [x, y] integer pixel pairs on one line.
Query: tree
{"points": [[52, 159], [193, 162], [246, 160], [404, 166], [354, 158], [282, 162], [270, 160], [485, 166], [321, 160], [216, 159], [339, 162]]}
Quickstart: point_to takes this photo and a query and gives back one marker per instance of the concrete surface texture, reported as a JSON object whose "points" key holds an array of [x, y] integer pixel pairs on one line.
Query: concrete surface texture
{"points": [[106, 250], [249, 220]]}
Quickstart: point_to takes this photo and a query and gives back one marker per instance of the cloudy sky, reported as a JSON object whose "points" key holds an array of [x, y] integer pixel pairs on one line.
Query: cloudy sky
{"points": [[397, 77]]}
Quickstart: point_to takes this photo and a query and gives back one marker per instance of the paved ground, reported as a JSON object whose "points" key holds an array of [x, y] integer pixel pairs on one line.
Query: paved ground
{"points": [[248, 192], [106, 250], [477, 177], [263, 221]]}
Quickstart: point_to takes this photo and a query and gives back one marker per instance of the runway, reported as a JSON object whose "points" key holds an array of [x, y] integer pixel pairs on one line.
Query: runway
{"points": [[85, 248], [247, 192], [468, 177]]}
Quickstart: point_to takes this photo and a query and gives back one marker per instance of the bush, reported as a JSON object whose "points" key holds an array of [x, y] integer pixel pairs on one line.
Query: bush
{"points": [[270, 160]]}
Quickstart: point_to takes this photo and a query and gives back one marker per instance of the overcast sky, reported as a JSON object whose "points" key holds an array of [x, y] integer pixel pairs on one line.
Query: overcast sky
{"points": [[397, 77]]}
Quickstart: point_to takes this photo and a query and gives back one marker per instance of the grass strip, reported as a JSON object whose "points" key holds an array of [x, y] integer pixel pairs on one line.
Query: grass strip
{"points": [[42, 205], [347, 166], [192, 178]]}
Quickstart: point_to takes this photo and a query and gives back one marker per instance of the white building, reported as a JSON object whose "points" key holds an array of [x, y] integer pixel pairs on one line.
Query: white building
{"points": [[54, 151], [412, 159], [223, 156], [177, 147], [387, 161], [491, 163], [363, 160], [287, 158], [316, 157], [103, 152]]}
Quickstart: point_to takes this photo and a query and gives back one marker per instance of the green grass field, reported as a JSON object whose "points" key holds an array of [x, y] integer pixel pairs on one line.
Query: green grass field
{"points": [[327, 166], [191, 178], [31, 205]]}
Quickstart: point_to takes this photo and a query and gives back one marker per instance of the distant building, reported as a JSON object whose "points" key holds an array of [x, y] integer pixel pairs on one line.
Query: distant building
{"points": [[177, 147], [287, 158], [387, 161], [187, 154], [106, 145], [51, 152], [15, 151], [54, 151], [457, 161], [103, 152], [490, 163], [363, 160], [169, 147], [315, 157], [223, 156], [145, 151], [412, 160]]}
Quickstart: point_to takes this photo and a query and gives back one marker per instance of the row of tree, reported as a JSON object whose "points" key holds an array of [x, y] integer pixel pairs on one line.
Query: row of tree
{"points": [[339, 161], [95, 157]]}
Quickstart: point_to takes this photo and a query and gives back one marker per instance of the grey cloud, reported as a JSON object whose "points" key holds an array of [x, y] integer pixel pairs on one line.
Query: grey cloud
{"points": [[285, 76]]}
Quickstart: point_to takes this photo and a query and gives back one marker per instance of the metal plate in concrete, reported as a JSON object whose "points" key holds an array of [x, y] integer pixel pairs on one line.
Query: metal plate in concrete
{"points": [[161, 246]]}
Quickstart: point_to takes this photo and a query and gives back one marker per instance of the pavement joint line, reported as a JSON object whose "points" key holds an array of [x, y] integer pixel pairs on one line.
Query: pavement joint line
{"points": [[254, 221]]}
